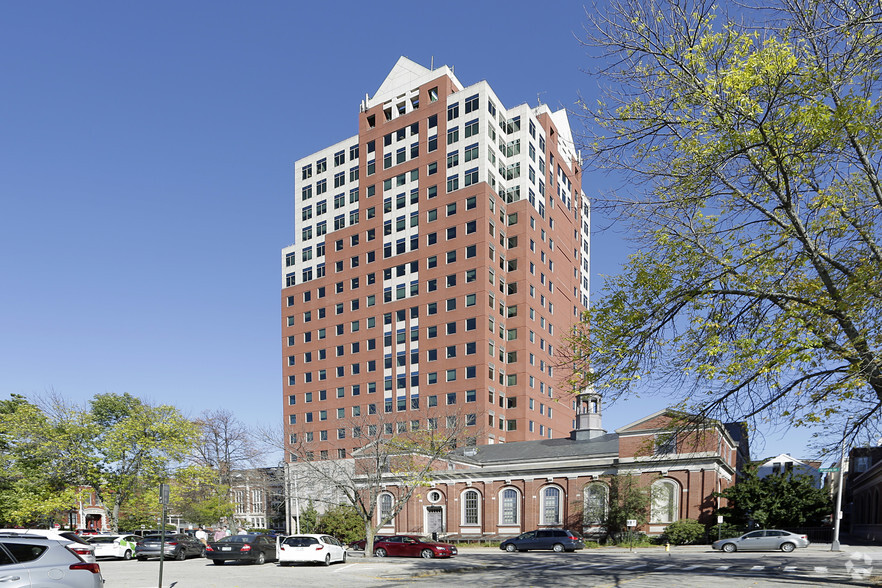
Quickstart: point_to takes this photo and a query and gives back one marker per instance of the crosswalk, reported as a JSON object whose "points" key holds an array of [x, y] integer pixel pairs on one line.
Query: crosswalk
{"points": [[697, 569]]}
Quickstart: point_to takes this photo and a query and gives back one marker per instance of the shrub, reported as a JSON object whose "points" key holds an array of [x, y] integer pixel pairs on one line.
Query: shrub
{"points": [[724, 531], [683, 532]]}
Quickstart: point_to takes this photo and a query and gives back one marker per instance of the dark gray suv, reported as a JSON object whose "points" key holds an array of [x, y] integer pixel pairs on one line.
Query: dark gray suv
{"points": [[555, 539]]}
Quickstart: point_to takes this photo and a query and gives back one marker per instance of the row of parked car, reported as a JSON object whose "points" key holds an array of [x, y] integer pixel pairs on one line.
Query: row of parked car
{"points": [[43, 557]]}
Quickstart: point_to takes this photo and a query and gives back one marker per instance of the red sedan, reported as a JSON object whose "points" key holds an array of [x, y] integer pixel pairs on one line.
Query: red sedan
{"points": [[412, 546]]}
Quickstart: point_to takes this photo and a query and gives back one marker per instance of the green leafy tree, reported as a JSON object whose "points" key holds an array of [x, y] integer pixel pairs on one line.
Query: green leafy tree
{"points": [[628, 500], [779, 500], [342, 521], [136, 444], [197, 496], [750, 148], [309, 518], [36, 488]]}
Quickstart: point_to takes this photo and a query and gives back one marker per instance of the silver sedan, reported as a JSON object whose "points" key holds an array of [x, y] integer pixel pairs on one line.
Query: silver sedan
{"points": [[763, 540]]}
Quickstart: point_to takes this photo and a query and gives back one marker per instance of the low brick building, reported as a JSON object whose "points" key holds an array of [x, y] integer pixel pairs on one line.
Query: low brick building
{"points": [[504, 489]]}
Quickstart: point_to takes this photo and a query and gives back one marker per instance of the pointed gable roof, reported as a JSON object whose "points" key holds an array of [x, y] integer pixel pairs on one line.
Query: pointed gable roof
{"points": [[404, 74], [404, 77]]}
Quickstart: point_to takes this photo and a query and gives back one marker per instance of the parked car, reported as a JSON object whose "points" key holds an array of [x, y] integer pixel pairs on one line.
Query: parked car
{"points": [[88, 532], [178, 546], [253, 548], [555, 539], [763, 540], [359, 545], [73, 541], [412, 546], [309, 548], [119, 546], [31, 560]]}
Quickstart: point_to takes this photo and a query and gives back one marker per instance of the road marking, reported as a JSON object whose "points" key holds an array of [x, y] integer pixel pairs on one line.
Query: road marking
{"points": [[635, 567], [664, 567], [723, 568], [691, 568], [820, 570], [343, 568], [757, 568], [789, 569]]}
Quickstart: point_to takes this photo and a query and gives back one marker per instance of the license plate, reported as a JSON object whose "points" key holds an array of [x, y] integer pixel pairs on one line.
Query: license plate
{"points": [[226, 549]]}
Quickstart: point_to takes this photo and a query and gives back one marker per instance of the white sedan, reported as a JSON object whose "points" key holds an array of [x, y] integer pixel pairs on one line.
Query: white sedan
{"points": [[119, 546], [309, 548]]}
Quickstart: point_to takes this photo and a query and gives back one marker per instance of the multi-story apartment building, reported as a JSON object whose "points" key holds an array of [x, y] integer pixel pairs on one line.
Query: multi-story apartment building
{"points": [[440, 258]]}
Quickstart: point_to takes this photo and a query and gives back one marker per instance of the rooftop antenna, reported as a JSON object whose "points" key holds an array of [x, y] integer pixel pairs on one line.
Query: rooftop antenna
{"points": [[432, 64], [539, 97]]}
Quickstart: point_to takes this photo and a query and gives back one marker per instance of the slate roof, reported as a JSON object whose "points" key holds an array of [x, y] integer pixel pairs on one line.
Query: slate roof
{"points": [[544, 449]]}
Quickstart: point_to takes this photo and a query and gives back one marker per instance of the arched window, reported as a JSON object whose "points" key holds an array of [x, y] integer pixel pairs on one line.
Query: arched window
{"points": [[596, 503], [665, 496], [471, 501], [510, 511], [552, 499], [385, 508]]}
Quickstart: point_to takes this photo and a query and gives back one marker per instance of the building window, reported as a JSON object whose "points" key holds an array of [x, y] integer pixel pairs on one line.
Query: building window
{"points": [[509, 513], [551, 503], [596, 503], [385, 509], [470, 507], [663, 501]]}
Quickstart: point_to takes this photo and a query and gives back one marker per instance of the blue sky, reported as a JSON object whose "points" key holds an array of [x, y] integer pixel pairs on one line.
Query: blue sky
{"points": [[146, 175]]}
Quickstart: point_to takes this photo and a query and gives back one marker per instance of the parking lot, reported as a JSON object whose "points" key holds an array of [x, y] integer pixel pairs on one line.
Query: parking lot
{"points": [[694, 566]]}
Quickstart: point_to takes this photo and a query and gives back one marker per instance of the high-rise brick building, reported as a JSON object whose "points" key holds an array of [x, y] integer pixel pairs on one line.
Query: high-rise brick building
{"points": [[440, 257]]}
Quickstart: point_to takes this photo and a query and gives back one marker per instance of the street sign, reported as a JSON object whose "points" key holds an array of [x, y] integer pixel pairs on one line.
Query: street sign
{"points": [[827, 470], [631, 523]]}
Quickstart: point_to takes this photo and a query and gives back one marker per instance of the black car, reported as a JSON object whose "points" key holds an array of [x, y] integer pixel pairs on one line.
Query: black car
{"points": [[178, 546], [555, 539], [254, 548]]}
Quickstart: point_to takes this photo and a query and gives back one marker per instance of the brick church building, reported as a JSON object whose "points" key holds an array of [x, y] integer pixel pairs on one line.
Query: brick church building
{"points": [[505, 489]]}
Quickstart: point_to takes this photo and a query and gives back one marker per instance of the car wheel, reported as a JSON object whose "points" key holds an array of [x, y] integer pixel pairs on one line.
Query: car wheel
{"points": [[511, 548], [729, 547], [328, 559], [127, 555], [181, 555], [344, 557], [261, 559], [558, 548], [380, 552], [427, 554], [788, 547], [142, 558], [218, 562]]}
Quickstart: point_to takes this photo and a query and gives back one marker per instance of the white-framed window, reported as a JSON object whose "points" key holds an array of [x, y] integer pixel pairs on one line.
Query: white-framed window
{"points": [[596, 503], [471, 507], [552, 500], [664, 496], [510, 507], [385, 508]]}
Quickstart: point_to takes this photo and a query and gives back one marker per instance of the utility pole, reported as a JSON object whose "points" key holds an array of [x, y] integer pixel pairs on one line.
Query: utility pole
{"points": [[837, 511], [163, 498]]}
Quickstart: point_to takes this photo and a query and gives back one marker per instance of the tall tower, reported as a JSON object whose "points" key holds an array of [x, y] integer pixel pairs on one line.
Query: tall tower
{"points": [[440, 256]]}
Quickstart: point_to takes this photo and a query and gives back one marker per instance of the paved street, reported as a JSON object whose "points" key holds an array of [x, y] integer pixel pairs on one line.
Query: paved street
{"points": [[690, 567]]}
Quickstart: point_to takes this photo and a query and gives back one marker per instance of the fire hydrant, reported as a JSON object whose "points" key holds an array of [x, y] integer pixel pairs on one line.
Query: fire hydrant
{"points": [[667, 546]]}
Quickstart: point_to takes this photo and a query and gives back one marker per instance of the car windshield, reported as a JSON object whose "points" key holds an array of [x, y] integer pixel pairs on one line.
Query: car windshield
{"points": [[301, 541], [237, 539], [101, 539], [156, 538]]}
